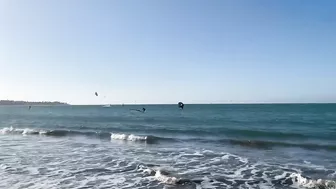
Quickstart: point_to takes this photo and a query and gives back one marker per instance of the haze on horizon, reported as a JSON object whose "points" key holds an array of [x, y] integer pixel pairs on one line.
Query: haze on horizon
{"points": [[168, 51]]}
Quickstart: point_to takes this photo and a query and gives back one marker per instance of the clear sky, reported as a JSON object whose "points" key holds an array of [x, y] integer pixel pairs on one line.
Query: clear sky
{"points": [[165, 51]]}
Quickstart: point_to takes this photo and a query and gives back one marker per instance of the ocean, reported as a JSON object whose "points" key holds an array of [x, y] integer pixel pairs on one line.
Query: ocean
{"points": [[201, 146]]}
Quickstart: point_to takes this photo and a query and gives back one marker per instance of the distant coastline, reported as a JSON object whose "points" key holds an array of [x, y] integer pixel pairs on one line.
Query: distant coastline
{"points": [[27, 103]]}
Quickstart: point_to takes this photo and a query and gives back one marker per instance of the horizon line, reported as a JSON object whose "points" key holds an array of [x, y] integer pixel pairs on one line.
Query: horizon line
{"points": [[238, 103], [120, 104]]}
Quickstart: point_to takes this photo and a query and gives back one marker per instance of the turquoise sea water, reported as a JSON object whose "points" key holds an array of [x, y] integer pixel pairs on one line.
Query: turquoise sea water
{"points": [[202, 146]]}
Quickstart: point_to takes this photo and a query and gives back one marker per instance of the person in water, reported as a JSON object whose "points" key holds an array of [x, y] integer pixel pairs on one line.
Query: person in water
{"points": [[143, 110], [181, 105]]}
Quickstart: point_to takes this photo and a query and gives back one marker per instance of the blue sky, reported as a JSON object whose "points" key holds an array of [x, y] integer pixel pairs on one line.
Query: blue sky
{"points": [[168, 51]]}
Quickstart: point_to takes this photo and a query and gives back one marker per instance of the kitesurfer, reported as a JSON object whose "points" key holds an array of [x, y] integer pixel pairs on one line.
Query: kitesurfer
{"points": [[143, 110], [180, 105]]}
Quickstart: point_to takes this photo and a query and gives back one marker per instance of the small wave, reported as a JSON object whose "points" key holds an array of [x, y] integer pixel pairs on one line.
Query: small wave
{"points": [[57, 133], [138, 138], [131, 137], [300, 181], [101, 135], [270, 144], [286, 179], [12, 130], [165, 177], [262, 144], [269, 134]]}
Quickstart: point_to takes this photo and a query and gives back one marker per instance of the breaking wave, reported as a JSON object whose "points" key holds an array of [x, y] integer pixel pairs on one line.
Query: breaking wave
{"points": [[261, 144], [131, 137], [286, 179], [102, 135], [300, 181]]}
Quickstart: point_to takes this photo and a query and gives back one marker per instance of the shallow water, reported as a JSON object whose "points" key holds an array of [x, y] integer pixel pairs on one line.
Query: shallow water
{"points": [[202, 146]]}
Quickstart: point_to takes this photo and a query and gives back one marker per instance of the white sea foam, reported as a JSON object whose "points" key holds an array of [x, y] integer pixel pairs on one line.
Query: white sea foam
{"points": [[12, 130], [300, 181], [282, 176], [131, 137], [164, 177], [42, 132], [6, 130], [25, 131], [28, 131]]}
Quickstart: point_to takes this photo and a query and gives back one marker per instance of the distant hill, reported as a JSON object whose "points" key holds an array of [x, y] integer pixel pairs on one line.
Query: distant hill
{"points": [[13, 102]]}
